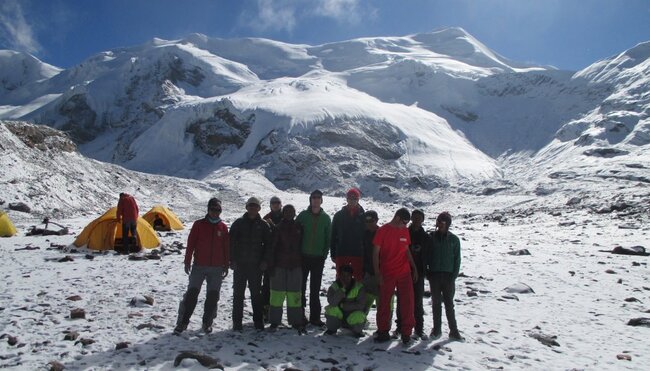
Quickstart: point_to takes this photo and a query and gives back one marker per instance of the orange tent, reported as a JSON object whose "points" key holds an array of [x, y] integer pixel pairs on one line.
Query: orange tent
{"points": [[102, 232]]}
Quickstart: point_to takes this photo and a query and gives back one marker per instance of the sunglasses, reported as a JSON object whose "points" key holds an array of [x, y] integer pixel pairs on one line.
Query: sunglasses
{"points": [[215, 209]]}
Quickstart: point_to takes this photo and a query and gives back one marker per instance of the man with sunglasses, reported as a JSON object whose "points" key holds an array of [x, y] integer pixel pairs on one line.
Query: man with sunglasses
{"points": [[208, 243], [395, 268], [442, 264]]}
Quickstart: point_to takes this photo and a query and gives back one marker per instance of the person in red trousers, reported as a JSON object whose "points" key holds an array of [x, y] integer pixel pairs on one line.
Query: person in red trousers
{"points": [[395, 269]]}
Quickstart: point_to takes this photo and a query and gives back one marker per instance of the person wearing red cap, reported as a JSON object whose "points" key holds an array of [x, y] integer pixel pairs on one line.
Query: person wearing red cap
{"points": [[348, 229]]}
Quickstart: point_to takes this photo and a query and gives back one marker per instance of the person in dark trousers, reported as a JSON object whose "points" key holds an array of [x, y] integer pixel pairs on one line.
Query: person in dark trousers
{"points": [[209, 245], [442, 265], [347, 301], [395, 270], [128, 214], [285, 270], [315, 247], [419, 242], [370, 282], [348, 227], [273, 218], [250, 239]]}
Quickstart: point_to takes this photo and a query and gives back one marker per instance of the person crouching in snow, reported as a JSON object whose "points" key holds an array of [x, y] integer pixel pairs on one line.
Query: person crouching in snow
{"points": [[286, 272], [208, 243], [347, 303]]}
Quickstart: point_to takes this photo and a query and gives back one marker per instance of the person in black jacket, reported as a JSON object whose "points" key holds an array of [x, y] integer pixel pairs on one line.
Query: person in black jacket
{"points": [[250, 239]]}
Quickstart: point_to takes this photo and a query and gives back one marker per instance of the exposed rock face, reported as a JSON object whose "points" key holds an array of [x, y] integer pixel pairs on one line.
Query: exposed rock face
{"points": [[223, 132], [41, 137]]}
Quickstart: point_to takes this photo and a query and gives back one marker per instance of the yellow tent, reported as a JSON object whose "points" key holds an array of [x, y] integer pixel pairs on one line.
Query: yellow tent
{"points": [[7, 228], [170, 219], [102, 232]]}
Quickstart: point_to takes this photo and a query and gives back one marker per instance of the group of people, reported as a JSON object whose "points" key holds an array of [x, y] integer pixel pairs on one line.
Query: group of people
{"points": [[277, 255]]}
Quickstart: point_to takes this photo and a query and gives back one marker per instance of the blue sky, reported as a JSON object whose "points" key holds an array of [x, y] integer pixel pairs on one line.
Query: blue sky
{"points": [[568, 34]]}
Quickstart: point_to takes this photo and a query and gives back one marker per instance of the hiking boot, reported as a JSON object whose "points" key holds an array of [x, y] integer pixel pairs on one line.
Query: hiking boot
{"points": [[395, 335], [406, 339], [301, 330], [382, 337], [237, 327], [273, 327], [207, 328], [179, 329], [455, 335], [359, 334], [435, 334], [330, 332], [259, 326]]}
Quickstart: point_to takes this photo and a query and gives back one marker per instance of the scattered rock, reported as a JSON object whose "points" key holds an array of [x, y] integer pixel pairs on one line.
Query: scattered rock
{"points": [[632, 300], [610, 271], [519, 288], [548, 340], [89, 256], [624, 357], [71, 335], [73, 298], [508, 297], [66, 258], [84, 341], [645, 322], [519, 252], [77, 313], [566, 223], [574, 201], [204, 360], [139, 301], [28, 247], [634, 250], [471, 293], [20, 206], [122, 345], [56, 366], [11, 340], [329, 360], [150, 326]]}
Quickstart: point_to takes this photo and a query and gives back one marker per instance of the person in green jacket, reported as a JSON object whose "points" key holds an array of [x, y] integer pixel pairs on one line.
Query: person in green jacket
{"points": [[347, 302], [442, 266], [315, 247]]}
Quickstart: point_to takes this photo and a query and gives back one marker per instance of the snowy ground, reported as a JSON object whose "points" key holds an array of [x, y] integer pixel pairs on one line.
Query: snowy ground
{"points": [[582, 296]]}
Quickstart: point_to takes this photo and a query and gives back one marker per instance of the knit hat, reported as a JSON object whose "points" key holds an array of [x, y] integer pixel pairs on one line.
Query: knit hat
{"points": [[315, 194], [353, 193], [275, 199], [445, 217], [253, 200]]}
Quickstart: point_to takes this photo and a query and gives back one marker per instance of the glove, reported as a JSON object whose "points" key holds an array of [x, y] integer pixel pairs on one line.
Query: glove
{"points": [[187, 268]]}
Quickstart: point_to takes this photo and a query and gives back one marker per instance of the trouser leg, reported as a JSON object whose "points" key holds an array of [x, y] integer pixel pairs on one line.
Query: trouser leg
{"points": [[238, 291], [278, 293], [254, 276], [418, 297], [314, 289], [294, 296], [214, 277], [448, 291], [333, 318], [386, 291], [436, 302], [405, 295], [125, 236], [188, 304]]}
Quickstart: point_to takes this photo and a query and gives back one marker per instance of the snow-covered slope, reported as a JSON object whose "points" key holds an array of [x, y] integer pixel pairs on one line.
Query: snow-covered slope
{"points": [[413, 112]]}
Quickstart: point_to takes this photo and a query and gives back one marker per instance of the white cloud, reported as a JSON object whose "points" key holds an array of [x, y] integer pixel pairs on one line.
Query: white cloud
{"points": [[15, 31], [285, 15], [347, 11], [274, 15]]}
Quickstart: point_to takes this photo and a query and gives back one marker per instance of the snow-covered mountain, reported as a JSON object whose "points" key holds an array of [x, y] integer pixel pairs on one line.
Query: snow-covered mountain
{"points": [[415, 112]]}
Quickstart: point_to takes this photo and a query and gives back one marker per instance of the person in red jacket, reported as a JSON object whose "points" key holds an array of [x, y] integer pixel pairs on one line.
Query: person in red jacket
{"points": [[127, 215], [208, 243]]}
